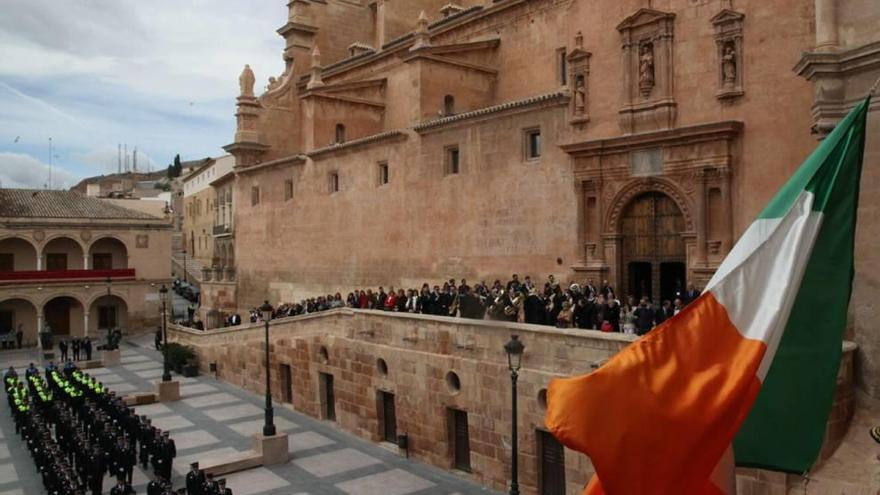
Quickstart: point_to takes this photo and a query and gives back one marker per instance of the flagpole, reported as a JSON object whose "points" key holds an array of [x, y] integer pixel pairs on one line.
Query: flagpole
{"points": [[874, 88]]}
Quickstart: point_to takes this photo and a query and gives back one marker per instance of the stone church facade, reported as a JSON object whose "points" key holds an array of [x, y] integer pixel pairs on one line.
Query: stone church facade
{"points": [[621, 141]]}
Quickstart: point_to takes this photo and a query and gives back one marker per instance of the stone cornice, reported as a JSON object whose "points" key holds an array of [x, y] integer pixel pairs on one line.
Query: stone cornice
{"points": [[382, 136], [549, 99], [813, 64], [287, 160], [725, 130]]}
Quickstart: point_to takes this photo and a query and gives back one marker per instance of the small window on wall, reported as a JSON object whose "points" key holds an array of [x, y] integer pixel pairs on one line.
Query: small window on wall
{"points": [[453, 161], [288, 189], [532, 144], [449, 105], [383, 173], [340, 134], [334, 182], [255, 195], [562, 66]]}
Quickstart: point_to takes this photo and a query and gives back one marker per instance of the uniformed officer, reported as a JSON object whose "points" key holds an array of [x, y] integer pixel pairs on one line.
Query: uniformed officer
{"points": [[121, 487], [221, 487], [195, 480], [155, 487]]}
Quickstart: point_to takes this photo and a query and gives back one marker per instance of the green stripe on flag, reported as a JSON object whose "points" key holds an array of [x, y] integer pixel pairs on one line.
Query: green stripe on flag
{"points": [[785, 428]]}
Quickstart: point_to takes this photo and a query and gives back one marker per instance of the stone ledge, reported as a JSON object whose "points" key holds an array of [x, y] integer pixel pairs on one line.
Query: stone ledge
{"points": [[232, 463]]}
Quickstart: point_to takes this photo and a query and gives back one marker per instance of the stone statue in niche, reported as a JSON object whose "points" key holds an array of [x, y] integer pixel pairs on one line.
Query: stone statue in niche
{"points": [[246, 81], [580, 94], [646, 68], [728, 64]]}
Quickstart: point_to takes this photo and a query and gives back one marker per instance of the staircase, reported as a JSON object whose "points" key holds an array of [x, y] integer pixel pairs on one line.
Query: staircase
{"points": [[193, 267]]}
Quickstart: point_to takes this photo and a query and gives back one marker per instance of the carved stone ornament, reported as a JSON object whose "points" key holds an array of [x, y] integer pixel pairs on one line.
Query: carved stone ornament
{"points": [[39, 235], [579, 71], [86, 235], [246, 81], [728, 26], [142, 241]]}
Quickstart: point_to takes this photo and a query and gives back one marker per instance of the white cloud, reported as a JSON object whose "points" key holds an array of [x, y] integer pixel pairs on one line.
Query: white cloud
{"points": [[159, 75], [19, 170]]}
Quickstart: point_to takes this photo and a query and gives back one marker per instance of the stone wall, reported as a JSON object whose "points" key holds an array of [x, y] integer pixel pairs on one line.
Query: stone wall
{"points": [[418, 353]]}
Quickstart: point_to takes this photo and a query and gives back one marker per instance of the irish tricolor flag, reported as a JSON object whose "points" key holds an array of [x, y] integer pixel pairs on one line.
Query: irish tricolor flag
{"points": [[752, 361]]}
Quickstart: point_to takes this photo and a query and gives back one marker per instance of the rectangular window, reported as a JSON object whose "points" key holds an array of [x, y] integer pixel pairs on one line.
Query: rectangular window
{"points": [[287, 384], [383, 173], [7, 262], [532, 144], [255, 195], [56, 261], [102, 261], [388, 417], [288, 189], [453, 161], [334, 182], [552, 464], [461, 445], [562, 66], [328, 397]]}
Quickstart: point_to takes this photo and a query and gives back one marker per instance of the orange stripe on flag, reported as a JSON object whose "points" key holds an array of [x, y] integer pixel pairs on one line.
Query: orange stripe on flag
{"points": [[658, 416]]}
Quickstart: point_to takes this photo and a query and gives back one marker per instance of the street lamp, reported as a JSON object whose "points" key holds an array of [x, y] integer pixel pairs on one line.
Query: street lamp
{"points": [[514, 349], [163, 294], [184, 265], [269, 427]]}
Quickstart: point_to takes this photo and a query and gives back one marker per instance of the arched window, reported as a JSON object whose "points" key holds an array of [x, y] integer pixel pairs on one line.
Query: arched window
{"points": [[448, 105], [340, 134]]}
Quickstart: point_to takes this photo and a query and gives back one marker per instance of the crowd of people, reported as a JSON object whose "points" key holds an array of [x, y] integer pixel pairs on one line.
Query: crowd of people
{"points": [[570, 305], [76, 349], [78, 433]]}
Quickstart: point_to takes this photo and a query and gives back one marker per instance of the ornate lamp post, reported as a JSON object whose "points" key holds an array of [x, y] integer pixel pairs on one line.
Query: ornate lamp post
{"points": [[163, 294], [269, 427], [514, 349]]}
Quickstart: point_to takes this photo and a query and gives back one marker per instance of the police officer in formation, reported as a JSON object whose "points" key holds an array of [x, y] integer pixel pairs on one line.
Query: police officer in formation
{"points": [[78, 432]]}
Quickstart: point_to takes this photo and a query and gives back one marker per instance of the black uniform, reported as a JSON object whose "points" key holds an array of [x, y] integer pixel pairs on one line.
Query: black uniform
{"points": [[195, 483]]}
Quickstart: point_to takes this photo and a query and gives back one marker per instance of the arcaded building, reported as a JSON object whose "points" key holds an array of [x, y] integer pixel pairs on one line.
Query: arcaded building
{"points": [[79, 265]]}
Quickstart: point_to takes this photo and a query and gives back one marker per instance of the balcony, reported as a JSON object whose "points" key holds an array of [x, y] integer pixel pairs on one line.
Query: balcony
{"points": [[222, 230], [65, 275]]}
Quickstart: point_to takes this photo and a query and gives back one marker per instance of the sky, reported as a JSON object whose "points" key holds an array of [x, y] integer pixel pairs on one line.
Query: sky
{"points": [[160, 75]]}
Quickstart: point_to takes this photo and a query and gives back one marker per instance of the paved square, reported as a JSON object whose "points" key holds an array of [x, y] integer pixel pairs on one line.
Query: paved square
{"points": [[248, 428], [195, 389], [234, 412], [307, 440], [214, 421], [8, 473], [152, 410], [135, 359], [181, 463], [193, 439], [150, 373], [339, 461], [110, 379], [255, 481], [394, 482], [211, 400], [143, 366], [174, 422]]}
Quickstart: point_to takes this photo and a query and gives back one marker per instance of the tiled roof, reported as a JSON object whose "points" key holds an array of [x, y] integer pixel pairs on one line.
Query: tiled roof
{"points": [[549, 97], [37, 203]]}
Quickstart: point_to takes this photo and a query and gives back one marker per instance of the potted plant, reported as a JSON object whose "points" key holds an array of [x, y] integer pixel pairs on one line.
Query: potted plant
{"points": [[179, 356]]}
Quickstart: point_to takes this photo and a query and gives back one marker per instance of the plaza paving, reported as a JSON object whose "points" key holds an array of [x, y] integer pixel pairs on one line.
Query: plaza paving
{"points": [[214, 419]]}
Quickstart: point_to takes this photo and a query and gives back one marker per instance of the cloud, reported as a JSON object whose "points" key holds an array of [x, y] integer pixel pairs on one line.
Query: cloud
{"points": [[19, 170], [162, 76]]}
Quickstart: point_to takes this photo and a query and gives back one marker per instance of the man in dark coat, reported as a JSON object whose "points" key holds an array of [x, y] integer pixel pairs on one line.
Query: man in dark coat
{"points": [[87, 346], [121, 488], [154, 487], [62, 347], [195, 480], [534, 308], [644, 317]]}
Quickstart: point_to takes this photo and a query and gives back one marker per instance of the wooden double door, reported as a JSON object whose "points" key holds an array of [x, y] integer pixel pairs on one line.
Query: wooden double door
{"points": [[654, 257]]}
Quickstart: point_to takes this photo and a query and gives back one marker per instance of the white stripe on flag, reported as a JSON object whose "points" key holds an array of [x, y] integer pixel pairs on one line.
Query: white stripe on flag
{"points": [[760, 279]]}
